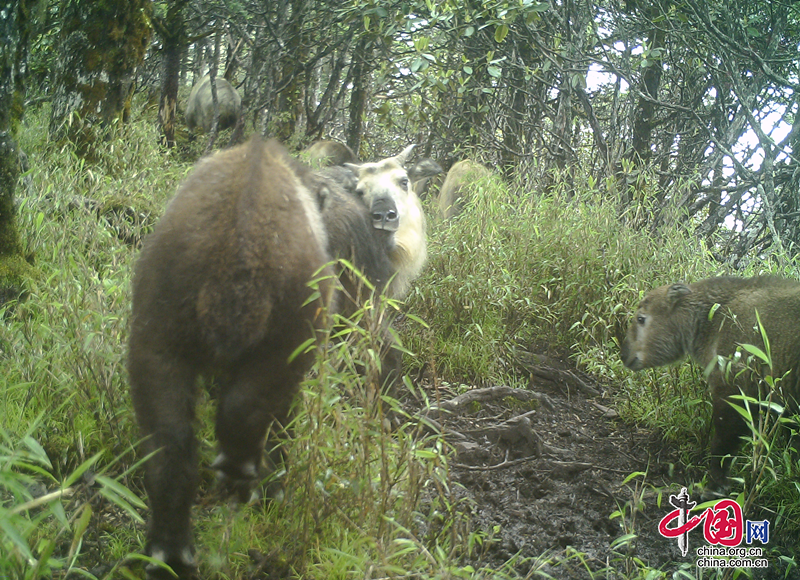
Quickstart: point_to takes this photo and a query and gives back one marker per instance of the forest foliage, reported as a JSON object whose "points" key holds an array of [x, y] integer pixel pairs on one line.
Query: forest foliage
{"points": [[634, 143], [698, 96]]}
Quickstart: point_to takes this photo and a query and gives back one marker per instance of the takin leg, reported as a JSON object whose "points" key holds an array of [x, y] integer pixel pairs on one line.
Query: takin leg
{"points": [[391, 366], [162, 388], [729, 426], [256, 399]]}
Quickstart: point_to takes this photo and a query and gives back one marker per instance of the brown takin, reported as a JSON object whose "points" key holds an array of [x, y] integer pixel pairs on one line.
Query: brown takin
{"points": [[328, 153], [708, 321], [221, 289], [456, 186], [200, 106]]}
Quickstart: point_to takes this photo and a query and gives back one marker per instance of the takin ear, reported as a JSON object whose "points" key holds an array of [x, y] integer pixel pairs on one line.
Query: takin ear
{"points": [[402, 157], [676, 292]]}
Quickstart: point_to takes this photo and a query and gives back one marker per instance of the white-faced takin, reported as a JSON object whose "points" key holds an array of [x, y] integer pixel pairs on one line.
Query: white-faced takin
{"points": [[221, 289], [708, 321]]}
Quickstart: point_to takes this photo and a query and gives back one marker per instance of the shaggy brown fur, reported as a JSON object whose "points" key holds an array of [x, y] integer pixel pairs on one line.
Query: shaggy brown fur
{"points": [[221, 288], [421, 175], [676, 320]]}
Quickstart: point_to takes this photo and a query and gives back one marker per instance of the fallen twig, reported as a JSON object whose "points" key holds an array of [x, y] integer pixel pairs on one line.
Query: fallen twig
{"points": [[458, 404]]}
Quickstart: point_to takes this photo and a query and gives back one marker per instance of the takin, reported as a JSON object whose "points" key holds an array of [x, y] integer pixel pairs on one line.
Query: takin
{"points": [[329, 153], [200, 106], [708, 321], [334, 154], [221, 289], [456, 186], [425, 169]]}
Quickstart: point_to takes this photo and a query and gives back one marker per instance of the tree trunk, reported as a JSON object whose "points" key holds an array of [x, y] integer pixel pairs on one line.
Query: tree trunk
{"points": [[514, 132], [100, 46], [9, 173], [644, 120], [14, 28], [290, 96], [173, 34], [358, 96], [13, 57], [212, 78]]}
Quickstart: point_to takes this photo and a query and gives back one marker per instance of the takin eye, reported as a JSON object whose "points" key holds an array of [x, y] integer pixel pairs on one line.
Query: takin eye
{"points": [[641, 320], [360, 191], [404, 182]]}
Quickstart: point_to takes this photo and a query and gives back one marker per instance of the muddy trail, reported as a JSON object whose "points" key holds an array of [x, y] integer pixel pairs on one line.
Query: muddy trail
{"points": [[547, 467]]}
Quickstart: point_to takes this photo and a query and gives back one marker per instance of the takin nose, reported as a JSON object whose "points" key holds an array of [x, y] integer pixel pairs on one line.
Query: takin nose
{"points": [[384, 214], [629, 357]]}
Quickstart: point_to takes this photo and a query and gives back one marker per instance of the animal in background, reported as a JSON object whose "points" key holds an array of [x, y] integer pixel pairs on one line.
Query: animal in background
{"points": [[328, 153], [221, 289], [456, 187], [424, 170], [200, 106], [710, 319]]}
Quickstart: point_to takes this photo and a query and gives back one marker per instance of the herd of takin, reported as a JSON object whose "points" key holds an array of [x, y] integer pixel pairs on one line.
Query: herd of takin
{"points": [[222, 288]]}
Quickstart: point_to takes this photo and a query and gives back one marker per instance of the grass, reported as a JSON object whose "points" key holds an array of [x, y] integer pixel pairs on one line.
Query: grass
{"points": [[357, 493], [63, 383], [556, 272], [542, 271], [561, 272]]}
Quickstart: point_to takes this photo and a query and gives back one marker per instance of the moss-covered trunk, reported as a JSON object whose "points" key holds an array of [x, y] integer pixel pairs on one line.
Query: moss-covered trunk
{"points": [[9, 171], [100, 46], [288, 104], [359, 94], [14, 29], [172, 31]]}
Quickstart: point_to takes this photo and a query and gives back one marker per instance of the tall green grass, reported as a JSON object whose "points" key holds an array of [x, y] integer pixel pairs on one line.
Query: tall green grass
{"points": [[520, 270], [67, 425], [360, 492], [560, 272], [548, 272]]}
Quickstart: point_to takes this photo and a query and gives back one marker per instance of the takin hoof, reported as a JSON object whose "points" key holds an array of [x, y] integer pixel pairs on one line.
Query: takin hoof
{"points": [[270, 490], [235, 478], [714, 490], [241, 482], [182, 564]]}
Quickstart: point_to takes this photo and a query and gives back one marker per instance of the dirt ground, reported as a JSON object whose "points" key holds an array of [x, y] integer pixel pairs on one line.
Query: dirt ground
{"points": [[547, 466], [552, 470]]}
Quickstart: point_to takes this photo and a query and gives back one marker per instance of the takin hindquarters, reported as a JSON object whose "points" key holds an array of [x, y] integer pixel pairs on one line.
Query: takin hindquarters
{"points": [[221, 289], [708, 321], [200, 106], [329, 153], [458, 184]]}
